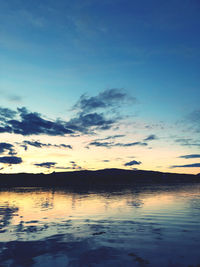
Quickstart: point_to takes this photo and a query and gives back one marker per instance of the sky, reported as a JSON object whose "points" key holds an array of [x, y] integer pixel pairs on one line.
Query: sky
{"points": [[99, 84]]}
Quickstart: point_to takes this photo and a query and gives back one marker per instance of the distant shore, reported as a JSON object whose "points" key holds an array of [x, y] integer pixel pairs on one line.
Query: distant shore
{"points": [[92, 178]]}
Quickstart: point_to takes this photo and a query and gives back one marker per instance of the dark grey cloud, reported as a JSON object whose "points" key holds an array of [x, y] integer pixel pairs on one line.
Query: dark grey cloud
{"points": [[133, 162], [6, 113], [151, 137], [112, 144], [84, 122], [47, 165], [193, 165], [11, 160], [33, 143], [106, 99], [6, 147], [30, 123], [190, 156], [106, 160], [86, 119], [38, 144]]}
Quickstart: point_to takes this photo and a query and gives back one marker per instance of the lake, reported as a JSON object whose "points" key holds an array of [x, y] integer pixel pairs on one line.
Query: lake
{"points": [[152, 225]]}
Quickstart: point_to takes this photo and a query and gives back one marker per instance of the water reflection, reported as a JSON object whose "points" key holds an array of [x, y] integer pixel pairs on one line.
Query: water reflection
{"points": [[140, 226], [6, 214]]}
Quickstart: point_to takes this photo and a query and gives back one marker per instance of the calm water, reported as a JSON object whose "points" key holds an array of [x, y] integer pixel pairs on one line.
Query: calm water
{"points": [[142, 226]]}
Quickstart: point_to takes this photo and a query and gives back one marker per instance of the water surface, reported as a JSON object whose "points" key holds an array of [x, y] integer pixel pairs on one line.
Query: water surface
{"points": [[140, 226]]}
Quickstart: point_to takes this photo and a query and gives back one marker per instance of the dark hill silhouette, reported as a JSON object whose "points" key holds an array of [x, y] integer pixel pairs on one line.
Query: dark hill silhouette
{"points": [[103, 177]]}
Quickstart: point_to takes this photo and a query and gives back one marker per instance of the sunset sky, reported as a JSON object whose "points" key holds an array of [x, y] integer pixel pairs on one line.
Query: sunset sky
{"points": [[99, 84]]}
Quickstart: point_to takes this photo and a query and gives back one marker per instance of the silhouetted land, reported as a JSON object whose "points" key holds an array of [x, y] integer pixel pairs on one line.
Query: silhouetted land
{"points": [[104, 177]]}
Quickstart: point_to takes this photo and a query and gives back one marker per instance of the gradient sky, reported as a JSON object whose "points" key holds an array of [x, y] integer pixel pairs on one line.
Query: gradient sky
{"points": [[99, 84]]}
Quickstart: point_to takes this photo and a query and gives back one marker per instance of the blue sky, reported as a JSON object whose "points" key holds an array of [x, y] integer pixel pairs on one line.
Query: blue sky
{"points": [[52, 52]]}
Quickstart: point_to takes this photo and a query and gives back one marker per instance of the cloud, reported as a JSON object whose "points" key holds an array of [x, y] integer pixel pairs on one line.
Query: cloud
{"points": [[190, 156], [110, 137], [34, 143], [7, 147], [74, 166], [100, 144], [63, 145], [84, 122], [194, 116], [14, 98], [112, 144], [10, 97], [6, 113], [151, 137], [62, 168], [183, 140], [132, 144], [10, 160], [38, 144], [86, 119], [194, 165], [133, 162], [30, 123], [47, 165], [106, 99], [188, 142], [193, 119]]}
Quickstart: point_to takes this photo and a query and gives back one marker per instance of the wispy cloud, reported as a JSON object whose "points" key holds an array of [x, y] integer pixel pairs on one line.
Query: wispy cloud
{"points": [[110, 137], [11, 97], [39, 144], [190, 156], [194, 116], [193, 165], [112, 144], [188, 142], [193, 120]]}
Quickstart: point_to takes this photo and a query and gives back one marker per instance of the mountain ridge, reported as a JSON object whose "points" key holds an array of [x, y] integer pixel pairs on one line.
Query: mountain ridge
{"points": [[109, 177]]}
